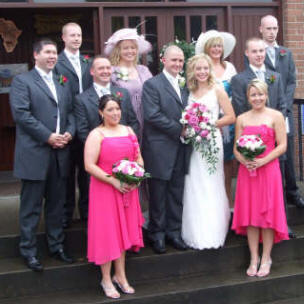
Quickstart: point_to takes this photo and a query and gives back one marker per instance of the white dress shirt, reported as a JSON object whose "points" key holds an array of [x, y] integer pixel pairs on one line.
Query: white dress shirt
{"points": [[174, 83], [75, 61], [259, 72], [48, 79]]}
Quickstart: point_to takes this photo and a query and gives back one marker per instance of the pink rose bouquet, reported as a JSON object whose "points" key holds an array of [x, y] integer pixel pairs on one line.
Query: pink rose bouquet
{"points": [[129, 172], [200, 132], [250, 146]]}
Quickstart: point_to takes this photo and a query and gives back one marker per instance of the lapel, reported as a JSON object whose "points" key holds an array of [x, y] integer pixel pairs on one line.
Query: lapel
{"points": [[83, 64], [268, 62], [184, 94], [43, 86], [249, 74], [63, 59], [169, 88], [277, 56], [93, 97]]}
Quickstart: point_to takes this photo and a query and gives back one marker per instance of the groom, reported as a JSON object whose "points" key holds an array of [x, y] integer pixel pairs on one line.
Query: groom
{"points": [[166, 158]]}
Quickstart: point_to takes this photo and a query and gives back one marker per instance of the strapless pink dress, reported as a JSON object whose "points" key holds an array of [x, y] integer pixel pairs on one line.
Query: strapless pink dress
{"points": [[115, 219], [259, 200]]}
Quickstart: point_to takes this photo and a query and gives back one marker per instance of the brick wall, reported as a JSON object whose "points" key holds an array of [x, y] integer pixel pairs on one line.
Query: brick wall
{"points": [[293, 35]]}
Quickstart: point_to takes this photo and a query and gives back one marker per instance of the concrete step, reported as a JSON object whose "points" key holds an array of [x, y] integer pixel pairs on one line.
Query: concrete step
{"points": [[285, 281], [297, 300], [16, 280]]}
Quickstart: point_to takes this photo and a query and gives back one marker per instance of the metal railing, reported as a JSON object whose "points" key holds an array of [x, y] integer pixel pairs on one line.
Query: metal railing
{"points": [[300, 107]]}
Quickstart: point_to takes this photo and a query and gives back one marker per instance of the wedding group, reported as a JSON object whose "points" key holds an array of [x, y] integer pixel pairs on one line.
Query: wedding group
{"points": [[77, 118]]}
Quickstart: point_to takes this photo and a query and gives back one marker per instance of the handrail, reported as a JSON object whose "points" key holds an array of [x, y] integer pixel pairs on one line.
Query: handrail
{"points": [[300, 104]]}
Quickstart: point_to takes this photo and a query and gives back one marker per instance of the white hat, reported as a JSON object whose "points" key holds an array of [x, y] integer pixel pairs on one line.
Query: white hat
{"points": [[228, 41], [144, 46]]}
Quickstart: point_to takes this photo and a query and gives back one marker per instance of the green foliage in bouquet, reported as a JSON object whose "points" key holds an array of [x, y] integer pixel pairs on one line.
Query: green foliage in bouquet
{"points": [[251, 155], [188, 49]]}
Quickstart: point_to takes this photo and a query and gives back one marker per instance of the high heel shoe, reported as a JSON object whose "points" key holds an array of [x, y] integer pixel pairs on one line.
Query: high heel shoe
{"points": [[110, 292], [264, 269], [127, 289], [253, 268]]}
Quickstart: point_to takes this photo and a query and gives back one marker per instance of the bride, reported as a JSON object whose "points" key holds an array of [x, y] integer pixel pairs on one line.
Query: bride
{"points": [[206, 212]]}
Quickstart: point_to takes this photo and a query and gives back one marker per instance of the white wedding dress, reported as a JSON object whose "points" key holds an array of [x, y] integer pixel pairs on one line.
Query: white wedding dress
{"points": [[206, 211]]}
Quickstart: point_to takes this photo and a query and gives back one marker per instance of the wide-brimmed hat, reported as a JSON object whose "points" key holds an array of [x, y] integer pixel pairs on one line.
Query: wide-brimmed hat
{"points": [[228, 41], [144, 46]]}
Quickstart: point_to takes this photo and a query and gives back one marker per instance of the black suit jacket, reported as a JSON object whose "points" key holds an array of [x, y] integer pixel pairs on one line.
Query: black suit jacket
{"points": [[64, 67], [162, 129], [239, 85], [87, 116], [35, 112]]}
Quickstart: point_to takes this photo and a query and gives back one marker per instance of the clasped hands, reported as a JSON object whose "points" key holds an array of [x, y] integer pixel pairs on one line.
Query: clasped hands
{"points": [[123, 187], [254, 164], [59, 141]]}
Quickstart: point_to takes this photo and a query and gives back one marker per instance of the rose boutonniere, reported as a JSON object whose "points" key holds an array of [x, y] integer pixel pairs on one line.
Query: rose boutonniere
{"points": [[271, 79], [283, 52], [118, 95], [86, 58], [122, 74], [62, 79], [181, 81]]}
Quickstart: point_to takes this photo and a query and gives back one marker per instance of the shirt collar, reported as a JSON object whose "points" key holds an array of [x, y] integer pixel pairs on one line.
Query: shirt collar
{"points": [[99, 87], [275, 45], [254, 69], [170, 77], [42, 73], [69, 54]]}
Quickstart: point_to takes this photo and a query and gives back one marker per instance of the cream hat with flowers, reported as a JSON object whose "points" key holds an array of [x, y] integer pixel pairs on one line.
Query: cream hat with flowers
{"points": [[229, 41], [144, 46]]}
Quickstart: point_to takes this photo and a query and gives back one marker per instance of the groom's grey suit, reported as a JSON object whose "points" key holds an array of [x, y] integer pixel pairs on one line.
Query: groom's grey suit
{"points": [[165, 157], [41, 168]]}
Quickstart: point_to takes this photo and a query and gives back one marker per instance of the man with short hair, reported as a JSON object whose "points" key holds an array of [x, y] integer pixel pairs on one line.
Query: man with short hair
{"points": [[165, 156], [279, 59], [76, 68], [41, 105], [86, 104], [255, 51]]}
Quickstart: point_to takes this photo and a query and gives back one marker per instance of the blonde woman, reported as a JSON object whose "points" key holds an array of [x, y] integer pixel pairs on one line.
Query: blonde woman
{"points": [[206, 211], [123, 49], [218, 46], [259, 203]]}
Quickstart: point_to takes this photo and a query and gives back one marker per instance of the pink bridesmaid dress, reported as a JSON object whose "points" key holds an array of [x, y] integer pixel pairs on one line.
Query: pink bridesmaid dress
{"points": [[115, 219], [259, 200]]}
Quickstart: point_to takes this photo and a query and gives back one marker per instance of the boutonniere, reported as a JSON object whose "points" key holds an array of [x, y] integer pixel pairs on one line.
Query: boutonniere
{"points": [[86, 58], [62, 79], [181, 81], [271, 79], [122, 73], [283, 52], [118, 95]]}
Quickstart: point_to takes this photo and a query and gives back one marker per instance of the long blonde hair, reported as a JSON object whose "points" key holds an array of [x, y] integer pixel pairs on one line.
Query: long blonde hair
{"points": [[191, 64]]}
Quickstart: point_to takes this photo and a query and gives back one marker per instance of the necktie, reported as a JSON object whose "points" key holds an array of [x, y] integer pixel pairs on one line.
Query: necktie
{"points": [[76, 64], [176, 87], [260, 75], [271, 53], [104, 91]]}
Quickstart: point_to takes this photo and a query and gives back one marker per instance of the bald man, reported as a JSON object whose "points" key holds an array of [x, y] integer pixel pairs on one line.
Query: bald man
{"points": [[279, 59], [166, 158]]}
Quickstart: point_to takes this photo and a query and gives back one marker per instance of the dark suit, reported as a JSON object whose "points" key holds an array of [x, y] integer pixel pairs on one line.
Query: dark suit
{"points": [[65, 68], [41, 168], [165, 157], [239, 85], [87, 115], [286, 67]]}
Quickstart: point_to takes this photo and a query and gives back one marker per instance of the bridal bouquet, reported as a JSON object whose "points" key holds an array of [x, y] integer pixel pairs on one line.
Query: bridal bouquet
{"points": [[200, 132], [250, 146], [129, 172]]}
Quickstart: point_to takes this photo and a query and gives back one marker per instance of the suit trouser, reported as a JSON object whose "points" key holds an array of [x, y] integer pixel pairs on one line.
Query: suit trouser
{"points": [[165, 204], [77, 167], [31, 198], [290, 175]]}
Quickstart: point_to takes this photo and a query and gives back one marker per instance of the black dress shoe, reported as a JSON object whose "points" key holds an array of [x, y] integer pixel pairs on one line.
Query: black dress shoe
{"points": [[33, 263], [159, 246], [298, 201], [291, 234], [62, 256], [178, 243]]}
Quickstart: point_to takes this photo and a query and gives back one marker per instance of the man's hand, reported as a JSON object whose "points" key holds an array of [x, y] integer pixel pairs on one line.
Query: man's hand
{"points": [[57, 141]]}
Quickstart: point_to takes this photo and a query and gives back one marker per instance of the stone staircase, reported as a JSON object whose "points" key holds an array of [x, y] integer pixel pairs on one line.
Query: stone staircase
{"points": [[207, 277]]}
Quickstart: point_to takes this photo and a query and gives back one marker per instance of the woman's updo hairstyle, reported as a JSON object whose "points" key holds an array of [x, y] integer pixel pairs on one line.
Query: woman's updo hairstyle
{"points": [[103, 101]]}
